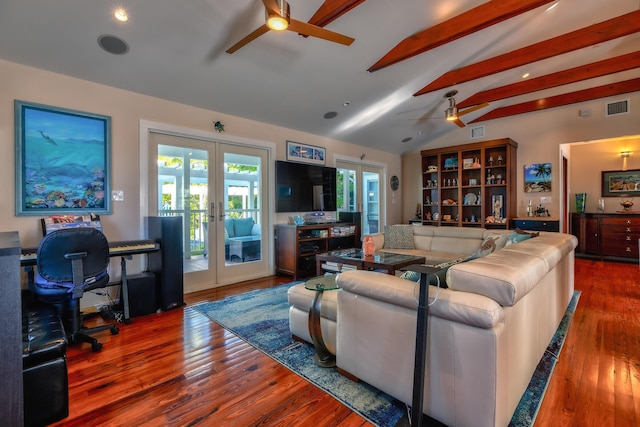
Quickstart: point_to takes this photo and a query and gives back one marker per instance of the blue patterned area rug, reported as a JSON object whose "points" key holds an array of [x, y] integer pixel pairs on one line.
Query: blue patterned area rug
{"points": [[261, 318]]}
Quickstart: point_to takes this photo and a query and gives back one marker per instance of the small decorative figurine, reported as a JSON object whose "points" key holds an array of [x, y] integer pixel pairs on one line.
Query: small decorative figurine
{"points": [[218, 126]]}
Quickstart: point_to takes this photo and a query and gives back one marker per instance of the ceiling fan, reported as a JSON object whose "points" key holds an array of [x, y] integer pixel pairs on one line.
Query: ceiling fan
{"points": [[278, 19], [452, 114]]}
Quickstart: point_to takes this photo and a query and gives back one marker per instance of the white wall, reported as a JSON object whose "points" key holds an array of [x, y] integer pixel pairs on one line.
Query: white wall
{"points": [[539, 136], [126, 109]]}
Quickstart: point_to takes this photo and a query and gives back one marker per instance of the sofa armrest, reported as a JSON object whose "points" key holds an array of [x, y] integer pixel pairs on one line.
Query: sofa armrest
{"points": [[255, 231], [462, 307]]}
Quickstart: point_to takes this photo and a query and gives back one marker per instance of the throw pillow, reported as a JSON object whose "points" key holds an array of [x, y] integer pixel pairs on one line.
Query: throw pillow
{"points": [[415, 277], [519, 235], [398, 237], [487, 247], [499, 239], [242, 226]]}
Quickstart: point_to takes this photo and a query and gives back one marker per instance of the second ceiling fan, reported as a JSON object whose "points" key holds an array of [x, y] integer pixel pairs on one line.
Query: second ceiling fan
{"points": [[452, 114], [278, 19]]}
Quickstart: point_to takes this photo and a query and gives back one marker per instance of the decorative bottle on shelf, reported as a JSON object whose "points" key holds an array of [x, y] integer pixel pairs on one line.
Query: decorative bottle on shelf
{"points": [[530, 209]]}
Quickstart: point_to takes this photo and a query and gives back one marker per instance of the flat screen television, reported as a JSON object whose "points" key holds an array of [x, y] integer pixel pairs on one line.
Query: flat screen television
{"points": [[304, 187]]}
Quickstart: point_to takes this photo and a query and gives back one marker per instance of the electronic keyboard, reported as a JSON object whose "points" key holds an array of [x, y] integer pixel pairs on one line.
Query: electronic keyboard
{"points": [[127, 247]]}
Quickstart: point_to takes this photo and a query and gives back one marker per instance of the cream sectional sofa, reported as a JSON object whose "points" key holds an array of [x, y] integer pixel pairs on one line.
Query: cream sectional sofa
{"points": [[487, 331]]}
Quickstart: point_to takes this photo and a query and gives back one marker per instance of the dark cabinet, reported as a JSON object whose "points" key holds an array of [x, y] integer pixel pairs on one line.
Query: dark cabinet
{"points": [[607, 236], [297, 246]]}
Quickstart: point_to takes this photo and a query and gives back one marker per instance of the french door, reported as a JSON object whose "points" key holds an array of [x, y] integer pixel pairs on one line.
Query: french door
{"points": [[218, 189], [359, 190]]}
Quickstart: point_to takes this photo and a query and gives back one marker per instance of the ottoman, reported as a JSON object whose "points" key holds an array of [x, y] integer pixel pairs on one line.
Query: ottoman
{"points": [[300, 300]]}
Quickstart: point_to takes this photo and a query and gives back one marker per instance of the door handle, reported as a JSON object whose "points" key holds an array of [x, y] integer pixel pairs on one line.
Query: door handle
{"points": [[212, 212], [222, 215]]}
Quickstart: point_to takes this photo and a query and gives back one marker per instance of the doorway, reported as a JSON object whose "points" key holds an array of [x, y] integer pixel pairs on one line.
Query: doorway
{"points": [[219, 189], [359, 190]]}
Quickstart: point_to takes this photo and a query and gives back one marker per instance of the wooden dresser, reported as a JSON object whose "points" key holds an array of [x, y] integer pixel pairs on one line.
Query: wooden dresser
{"points": [[607, 236]]}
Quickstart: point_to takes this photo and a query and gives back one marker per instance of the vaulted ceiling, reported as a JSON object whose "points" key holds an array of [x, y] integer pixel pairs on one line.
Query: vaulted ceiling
{"points": [[384, 83]]}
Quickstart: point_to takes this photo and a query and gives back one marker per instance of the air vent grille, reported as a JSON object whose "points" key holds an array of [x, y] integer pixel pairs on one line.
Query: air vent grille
{"points": [[477, 132], [617, 107]]}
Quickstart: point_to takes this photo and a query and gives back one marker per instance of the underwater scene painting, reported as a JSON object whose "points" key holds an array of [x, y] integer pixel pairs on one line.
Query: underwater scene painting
{"points": [[65, 161]]}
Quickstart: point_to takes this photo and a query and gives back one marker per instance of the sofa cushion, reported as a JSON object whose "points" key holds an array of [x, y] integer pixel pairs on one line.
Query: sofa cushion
{"points": [[242, 226], [471, 309], [228, 227], [398, 237]]}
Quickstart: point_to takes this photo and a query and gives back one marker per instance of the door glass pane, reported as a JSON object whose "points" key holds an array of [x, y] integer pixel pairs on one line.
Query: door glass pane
{"points": [[243, 232], [371, 195], [183, 191], [346, 190]]}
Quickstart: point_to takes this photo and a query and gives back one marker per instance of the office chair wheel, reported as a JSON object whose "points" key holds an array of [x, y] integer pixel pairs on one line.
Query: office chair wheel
{"points": [[96, 346], [115, 330]]}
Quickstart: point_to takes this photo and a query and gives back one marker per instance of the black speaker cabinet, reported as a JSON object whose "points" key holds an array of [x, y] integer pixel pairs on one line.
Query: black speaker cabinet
{"points": [[142, 294], [355, 218], [166, 263]]}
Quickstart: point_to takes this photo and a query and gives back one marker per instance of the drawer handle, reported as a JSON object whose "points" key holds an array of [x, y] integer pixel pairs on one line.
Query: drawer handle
{"points": [[628, 238], [628, 249], [628, 230], [628, 221]]}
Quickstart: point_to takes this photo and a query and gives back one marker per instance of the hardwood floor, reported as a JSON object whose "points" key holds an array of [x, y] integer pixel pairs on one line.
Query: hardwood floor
{"points": [[178, 368]]}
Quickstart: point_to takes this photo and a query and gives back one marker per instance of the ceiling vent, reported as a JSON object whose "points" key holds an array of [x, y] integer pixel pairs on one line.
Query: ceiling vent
{"points": [[477, 132], [617, 107]]}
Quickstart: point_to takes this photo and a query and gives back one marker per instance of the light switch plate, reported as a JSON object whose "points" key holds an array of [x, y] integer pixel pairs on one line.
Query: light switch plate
{"points": [[117, 196]]}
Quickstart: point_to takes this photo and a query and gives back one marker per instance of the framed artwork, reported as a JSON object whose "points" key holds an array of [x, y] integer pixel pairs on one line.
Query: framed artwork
{"points": [[451, 163], [621, 183], [63, 161], [306, 153], [537, 178]]}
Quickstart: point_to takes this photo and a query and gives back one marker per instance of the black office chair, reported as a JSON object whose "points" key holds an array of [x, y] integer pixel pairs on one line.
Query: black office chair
{"points": [[69, 262]]}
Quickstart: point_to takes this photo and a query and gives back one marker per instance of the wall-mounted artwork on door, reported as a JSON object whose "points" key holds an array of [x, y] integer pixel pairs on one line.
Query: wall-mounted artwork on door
{"points": [[63, 160], [537, 178]]}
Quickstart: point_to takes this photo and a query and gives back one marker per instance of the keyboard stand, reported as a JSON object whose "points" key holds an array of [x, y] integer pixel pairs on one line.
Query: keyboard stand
{"points": [[124, 288]]}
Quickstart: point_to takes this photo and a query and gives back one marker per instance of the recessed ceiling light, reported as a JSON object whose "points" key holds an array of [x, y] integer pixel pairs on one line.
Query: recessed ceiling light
{"points": [[420, 132], [330, 115], [407, 139], [121, 15], [345, 104]]}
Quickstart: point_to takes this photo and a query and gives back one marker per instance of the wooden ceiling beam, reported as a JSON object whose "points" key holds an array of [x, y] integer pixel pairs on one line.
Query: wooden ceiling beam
{"points": [[598, 33], [466, 23], [572, 75], [331, 10], [603, 91]]}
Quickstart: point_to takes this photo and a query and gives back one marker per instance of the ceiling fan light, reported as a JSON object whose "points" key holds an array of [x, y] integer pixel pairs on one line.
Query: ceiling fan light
{"points": [[278, 20], [451, 114]]}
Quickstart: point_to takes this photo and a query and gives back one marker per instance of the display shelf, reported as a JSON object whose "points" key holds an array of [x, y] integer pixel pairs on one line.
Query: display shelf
{"points": [[486, 169]]}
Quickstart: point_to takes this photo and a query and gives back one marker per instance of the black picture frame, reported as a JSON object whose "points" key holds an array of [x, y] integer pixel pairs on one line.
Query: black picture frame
{"points": [[62, 159], [621, 183]]}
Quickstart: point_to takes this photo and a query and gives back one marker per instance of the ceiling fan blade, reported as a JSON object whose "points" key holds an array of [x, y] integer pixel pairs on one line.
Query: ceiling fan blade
{"points": [[319, 32], [246, 40], [458, 123], [472, 109]]}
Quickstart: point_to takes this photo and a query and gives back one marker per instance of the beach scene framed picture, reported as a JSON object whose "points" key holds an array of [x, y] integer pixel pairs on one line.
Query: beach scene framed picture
{"points": [[537, 178], [63, 160]]}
